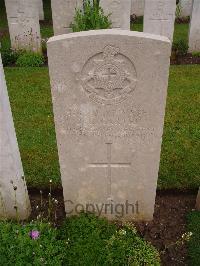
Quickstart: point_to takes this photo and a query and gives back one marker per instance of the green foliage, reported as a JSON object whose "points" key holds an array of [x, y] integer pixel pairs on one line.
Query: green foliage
{"points": [[84, 240], [47, 10], [30, 59], [193, 221], [90, 18], [181, 32], [178, 11], [9, 56], [196, 54], [18, 248], [179, 165], [180, 47], [95, 241]]}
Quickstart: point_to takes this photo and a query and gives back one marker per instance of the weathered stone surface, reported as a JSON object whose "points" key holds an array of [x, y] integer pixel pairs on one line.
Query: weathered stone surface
{"points": [[23, 22], [198, 201], [109, 90], [137, 7], [11, 172], [186, 7], [159, 17], [120, 11], [63, 12], [194, 32], [41, 10]]}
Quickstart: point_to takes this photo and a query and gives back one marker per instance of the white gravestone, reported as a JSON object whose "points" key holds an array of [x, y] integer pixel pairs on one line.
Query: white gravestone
{"points": [[198, 201], [14, 200], [109, 90], [186, 7], [194, 31], [41, 9], [23, 22], [137, 7], [159, 17], [119, 10], [63, 12]]}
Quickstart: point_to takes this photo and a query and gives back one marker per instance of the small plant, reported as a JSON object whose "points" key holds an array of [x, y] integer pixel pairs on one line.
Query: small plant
{"points": [[178, 11], [95, 241], [90, 18], [30, 59], [9, 56], [196, 53], [180, 47], [32, 243]]}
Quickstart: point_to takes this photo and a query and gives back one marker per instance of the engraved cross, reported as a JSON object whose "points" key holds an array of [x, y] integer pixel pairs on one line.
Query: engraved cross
{"points": [[109, 165], [109, 73]]}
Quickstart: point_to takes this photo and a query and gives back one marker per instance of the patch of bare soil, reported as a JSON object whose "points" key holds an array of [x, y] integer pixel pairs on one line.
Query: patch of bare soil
{"points": [[185, 60]]}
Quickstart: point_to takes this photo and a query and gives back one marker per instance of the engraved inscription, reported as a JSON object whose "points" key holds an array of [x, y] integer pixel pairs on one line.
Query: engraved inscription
{"points": [[108, 122], [159, 13], [109, 77], [109, 164]]}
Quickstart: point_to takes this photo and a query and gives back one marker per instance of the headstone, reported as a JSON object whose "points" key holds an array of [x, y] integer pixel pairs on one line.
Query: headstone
{"points": [[119, 10], [63, 12], [109, 90], [198, 201], [186, 7], [159, 17], [14, 200], [194, 31], [137, 7], [23, 22], [41, 10]]}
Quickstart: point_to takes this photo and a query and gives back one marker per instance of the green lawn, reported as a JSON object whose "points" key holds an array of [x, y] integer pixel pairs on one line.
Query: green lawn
{"points": [[180, 30], [193, 220], [29, 92]]}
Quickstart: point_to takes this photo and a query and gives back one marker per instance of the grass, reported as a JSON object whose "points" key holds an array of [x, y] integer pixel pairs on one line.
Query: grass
{"points": [[180, 30], [30, 97], [193, 221], [179, 167]]}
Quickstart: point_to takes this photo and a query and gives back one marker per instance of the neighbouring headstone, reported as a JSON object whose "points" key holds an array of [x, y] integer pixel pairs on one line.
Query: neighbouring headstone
{"points": [[119, 10], [186, 7], [109, 90], [63, 12], [14, 199], [198, 201], [23, 22], [137, 7], [194, 31], [41, 9], [159, 17]]}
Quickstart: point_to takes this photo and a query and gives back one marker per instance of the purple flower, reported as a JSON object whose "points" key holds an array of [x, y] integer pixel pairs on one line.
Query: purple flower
{"points": [[34, 234]]}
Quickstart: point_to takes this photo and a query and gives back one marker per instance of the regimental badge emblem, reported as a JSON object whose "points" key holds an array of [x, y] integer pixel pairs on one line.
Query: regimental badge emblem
{"points": [[109, 77]]}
